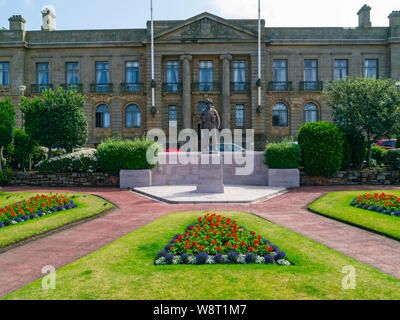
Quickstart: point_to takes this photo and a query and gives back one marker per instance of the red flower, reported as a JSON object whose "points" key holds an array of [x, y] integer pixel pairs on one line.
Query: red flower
{"points": [[219, 248]]}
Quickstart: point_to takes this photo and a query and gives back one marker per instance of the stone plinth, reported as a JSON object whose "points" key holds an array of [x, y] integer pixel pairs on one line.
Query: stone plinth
{"points": [[210, 176], [288, 178], [135, 178]]}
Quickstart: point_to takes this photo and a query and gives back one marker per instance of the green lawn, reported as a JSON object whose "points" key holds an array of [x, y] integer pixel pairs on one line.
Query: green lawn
{"points": [[88, 206], [337, 205], [125, 270]]}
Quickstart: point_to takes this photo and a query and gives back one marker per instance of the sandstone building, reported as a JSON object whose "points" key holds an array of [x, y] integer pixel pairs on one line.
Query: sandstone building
{"points": [[203, 57]]}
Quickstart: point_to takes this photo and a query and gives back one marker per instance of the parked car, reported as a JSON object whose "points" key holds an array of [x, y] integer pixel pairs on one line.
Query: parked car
{"points": [[387, 144]]}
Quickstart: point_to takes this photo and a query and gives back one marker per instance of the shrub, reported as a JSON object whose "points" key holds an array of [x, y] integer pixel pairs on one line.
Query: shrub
{"points": [[354, 149], [379, 154], [6, 175], [115, 155], [322, 148], [81, 161], [283, 155], [393, 158]]}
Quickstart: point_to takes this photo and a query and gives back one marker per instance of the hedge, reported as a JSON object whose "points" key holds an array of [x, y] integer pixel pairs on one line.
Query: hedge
{"points": [[283, 155], [115, 155], [379, 154], [322, 148], [393, 158]]}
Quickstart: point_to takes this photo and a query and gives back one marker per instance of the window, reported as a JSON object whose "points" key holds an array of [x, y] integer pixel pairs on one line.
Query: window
{"points": [[172, 76], [311, 75], [172, 117], [132, 116], [280, 115], [132, 76], [103, 116], [102, 76], [239, 76], [341, 69], [4, 73], [371, 68], [42, 75], [206, 76], [239, 116], [72, 73], [280, 75], [310, 113]]}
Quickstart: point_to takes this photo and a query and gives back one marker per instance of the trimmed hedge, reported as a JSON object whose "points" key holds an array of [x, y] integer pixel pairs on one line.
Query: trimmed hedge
{"points": [[283, 155], [322, 148], [81, 161], [379, 154], [115, 155], [393, 158]]}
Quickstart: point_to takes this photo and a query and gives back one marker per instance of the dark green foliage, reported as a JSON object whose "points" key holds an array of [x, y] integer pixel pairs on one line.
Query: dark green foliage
{"points": [[393, 158], [7, 125], [379, 154], [116, 154], [322, 148], [24, 146], [56, 119], [6, 175], [283, 155], [354, 149], [366, 105]]}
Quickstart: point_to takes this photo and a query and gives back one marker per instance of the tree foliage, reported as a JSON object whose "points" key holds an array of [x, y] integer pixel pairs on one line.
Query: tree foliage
{"points": [[368, 105], [24, 146], [56, 119], [7, 125]]}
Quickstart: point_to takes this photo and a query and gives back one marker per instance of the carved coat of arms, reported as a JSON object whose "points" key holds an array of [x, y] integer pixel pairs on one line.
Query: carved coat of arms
{"points": [[205, 27]]}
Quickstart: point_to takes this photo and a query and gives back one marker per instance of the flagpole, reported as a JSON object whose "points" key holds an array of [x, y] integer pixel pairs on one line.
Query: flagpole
{"points": [[259, 53], [152, 59]]}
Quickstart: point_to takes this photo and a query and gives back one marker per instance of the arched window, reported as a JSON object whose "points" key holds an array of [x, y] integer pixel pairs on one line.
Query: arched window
{"points": [[103, 116], [310, 113], [280, 115], [132, 116]]}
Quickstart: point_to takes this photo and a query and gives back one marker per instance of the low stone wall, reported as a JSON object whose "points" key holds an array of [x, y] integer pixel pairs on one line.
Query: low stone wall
{"points": [[73, 179], [379, 176]]}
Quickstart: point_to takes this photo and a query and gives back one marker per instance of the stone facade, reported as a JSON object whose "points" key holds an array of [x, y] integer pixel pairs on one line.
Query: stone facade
{"points": [[204, 37]]}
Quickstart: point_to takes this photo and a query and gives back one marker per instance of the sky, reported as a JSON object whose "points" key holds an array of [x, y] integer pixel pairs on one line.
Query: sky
{"points": [[125, 14]]}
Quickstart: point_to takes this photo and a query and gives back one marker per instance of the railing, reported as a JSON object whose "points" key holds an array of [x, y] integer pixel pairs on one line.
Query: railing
{"points": [[311, 86], [168, 87], [101, 87], [240, 87], [38, 88], [69, 86], [132, 87], [206, 87], [280, 86]]}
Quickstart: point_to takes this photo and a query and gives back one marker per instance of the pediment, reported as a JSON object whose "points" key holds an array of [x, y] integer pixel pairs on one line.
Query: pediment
{"points": [[207, 27]]}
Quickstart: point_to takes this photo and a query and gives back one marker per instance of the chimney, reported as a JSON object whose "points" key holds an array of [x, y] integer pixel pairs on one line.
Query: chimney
{"points": [[364, 17], [17, 23], [48, 20], [394, 19]]}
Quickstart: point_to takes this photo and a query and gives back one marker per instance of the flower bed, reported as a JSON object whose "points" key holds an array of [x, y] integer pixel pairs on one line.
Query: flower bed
{"points": [[32, 208], [379, 202], [215, 239]]}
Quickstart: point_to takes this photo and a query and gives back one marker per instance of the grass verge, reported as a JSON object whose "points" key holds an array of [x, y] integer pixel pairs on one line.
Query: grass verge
{"points": [[337, 205], [125, 270], [88, 206]]}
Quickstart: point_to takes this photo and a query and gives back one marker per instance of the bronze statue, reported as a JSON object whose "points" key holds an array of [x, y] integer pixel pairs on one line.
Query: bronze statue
{"points": [[211, 121], [209, 117]]}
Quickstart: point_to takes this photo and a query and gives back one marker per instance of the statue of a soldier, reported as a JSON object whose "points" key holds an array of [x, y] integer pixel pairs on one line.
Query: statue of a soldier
{"points": [[211, 121]]}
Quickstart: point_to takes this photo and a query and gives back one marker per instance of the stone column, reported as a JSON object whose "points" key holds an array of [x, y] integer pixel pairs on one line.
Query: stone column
{"points": [[186, 92], [226, 91]]}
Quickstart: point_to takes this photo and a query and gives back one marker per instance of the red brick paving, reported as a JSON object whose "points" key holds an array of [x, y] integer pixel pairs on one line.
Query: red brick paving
{"points": [[22, 265]]}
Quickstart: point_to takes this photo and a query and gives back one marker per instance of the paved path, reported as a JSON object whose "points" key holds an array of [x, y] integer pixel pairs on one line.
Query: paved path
{"points": [[22, 265]]}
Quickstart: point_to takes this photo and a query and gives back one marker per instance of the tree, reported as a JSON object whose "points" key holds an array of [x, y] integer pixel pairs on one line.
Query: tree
{"points": [[369, 106], [56, 119], [24, 148], [7, 125]]}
